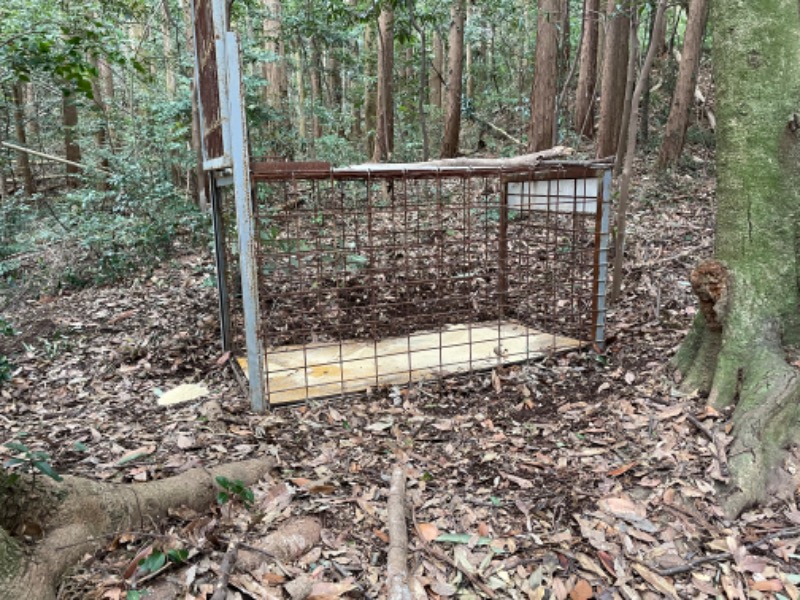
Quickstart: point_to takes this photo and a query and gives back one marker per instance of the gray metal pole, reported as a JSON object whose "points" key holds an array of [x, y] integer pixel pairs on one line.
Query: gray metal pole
{"points": [[245, 220]]}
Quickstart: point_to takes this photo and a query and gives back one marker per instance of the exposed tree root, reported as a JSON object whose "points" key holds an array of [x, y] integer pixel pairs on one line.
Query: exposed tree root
{"points": [[746, 370], [77, 514]]}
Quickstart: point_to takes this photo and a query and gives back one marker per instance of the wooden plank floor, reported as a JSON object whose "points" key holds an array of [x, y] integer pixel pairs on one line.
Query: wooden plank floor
{"points": [[297, 373]]}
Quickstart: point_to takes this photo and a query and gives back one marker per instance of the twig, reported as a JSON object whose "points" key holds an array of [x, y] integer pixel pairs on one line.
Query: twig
{"points": [[702, 428], [225, 570], [397, 561], [690, 566], [51, 157], [719, 447], [439, 555]]}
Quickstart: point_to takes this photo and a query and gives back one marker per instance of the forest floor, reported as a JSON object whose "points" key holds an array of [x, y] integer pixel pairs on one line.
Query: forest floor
{"points": [[575, 476]]}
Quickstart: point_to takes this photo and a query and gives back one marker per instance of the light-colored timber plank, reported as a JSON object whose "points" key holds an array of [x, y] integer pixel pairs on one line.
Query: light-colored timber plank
{"points": [[297, 373]]}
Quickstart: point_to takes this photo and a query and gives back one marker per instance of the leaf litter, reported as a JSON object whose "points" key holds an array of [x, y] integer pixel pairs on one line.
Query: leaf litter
{"points": [[577, 476]]}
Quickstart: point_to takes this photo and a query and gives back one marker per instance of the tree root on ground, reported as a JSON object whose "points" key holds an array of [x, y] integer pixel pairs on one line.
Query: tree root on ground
{"points": [[77, 515]]}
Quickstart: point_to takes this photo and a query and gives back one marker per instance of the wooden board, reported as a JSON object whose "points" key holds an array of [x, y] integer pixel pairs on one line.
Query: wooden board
{"points": [[297, 373]]}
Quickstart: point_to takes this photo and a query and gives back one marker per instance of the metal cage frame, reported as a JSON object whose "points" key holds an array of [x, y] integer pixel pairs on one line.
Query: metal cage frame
{"points": [[227, 163]]}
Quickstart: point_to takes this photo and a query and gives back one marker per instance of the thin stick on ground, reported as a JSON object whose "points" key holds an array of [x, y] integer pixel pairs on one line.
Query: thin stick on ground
{"points": [[690, 566], [397, 561], [225, 569]]}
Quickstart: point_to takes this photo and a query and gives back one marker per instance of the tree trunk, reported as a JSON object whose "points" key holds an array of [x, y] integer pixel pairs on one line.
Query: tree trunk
{"points": [[370, 98], [683, 97], [564, 50], [437, 71], [23, 161], [384, 117], [274, 68], [749, 294], [167, 27], [334, 87], [543, 96], [302, 121], [630, 79], [78, 514], [631, 129], [316, 92], [614, 77], [469, 56], [455, 59], [587, 76], [72, 151], [423, 70]]}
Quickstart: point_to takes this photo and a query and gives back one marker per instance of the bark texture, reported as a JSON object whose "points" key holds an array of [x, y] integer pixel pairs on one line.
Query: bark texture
{"points": [[455, 60], [78, 513], [437, 70], [736, 350], [384, 122], [683, 97], [276, 91], [587, 76], [612, 93], [23, 162], [543, 96]]}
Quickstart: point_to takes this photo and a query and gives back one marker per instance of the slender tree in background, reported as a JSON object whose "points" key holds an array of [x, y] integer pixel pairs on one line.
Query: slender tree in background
{"points": [[72, 151], [274, 68], [370, 96], [455, 62], [683, 97], [587, 76], [631, 129], [741, 349], [437, 71], [543, 96], [614, 77], [630, 80], [384, 122], [24, 171]]}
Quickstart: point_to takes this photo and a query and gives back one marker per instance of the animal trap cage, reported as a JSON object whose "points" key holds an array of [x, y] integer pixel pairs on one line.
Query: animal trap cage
{"points": [[358, 277], [388, 274]]}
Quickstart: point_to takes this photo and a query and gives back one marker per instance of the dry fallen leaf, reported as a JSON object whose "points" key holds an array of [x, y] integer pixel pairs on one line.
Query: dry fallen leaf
{"points": [[661, 584], [427, 531], [581, 591], [183, 393]]}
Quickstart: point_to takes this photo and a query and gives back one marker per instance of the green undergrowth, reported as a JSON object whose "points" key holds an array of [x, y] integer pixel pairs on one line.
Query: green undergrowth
{"points": [[88, 237]]}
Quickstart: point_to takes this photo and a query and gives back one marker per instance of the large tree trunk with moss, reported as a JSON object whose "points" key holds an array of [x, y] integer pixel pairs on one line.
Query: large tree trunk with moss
{"points": [[739, 348], [77, 515]]}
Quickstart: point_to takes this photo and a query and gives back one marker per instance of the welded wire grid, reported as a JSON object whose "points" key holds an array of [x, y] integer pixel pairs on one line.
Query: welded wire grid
{"points": [[375, 279]]}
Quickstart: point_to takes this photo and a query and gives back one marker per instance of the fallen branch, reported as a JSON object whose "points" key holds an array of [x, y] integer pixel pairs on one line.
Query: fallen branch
{"points": [[397, 562], [690, 566], [719, 446], [498, 130], [221, 590], [51, 157]]}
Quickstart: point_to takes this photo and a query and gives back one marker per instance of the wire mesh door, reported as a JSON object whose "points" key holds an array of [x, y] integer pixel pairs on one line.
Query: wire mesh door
{"points": [[378, 276]]}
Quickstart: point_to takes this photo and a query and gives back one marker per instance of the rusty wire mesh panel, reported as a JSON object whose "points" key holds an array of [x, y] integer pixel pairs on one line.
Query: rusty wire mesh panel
{"points": [[371, 280]]}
